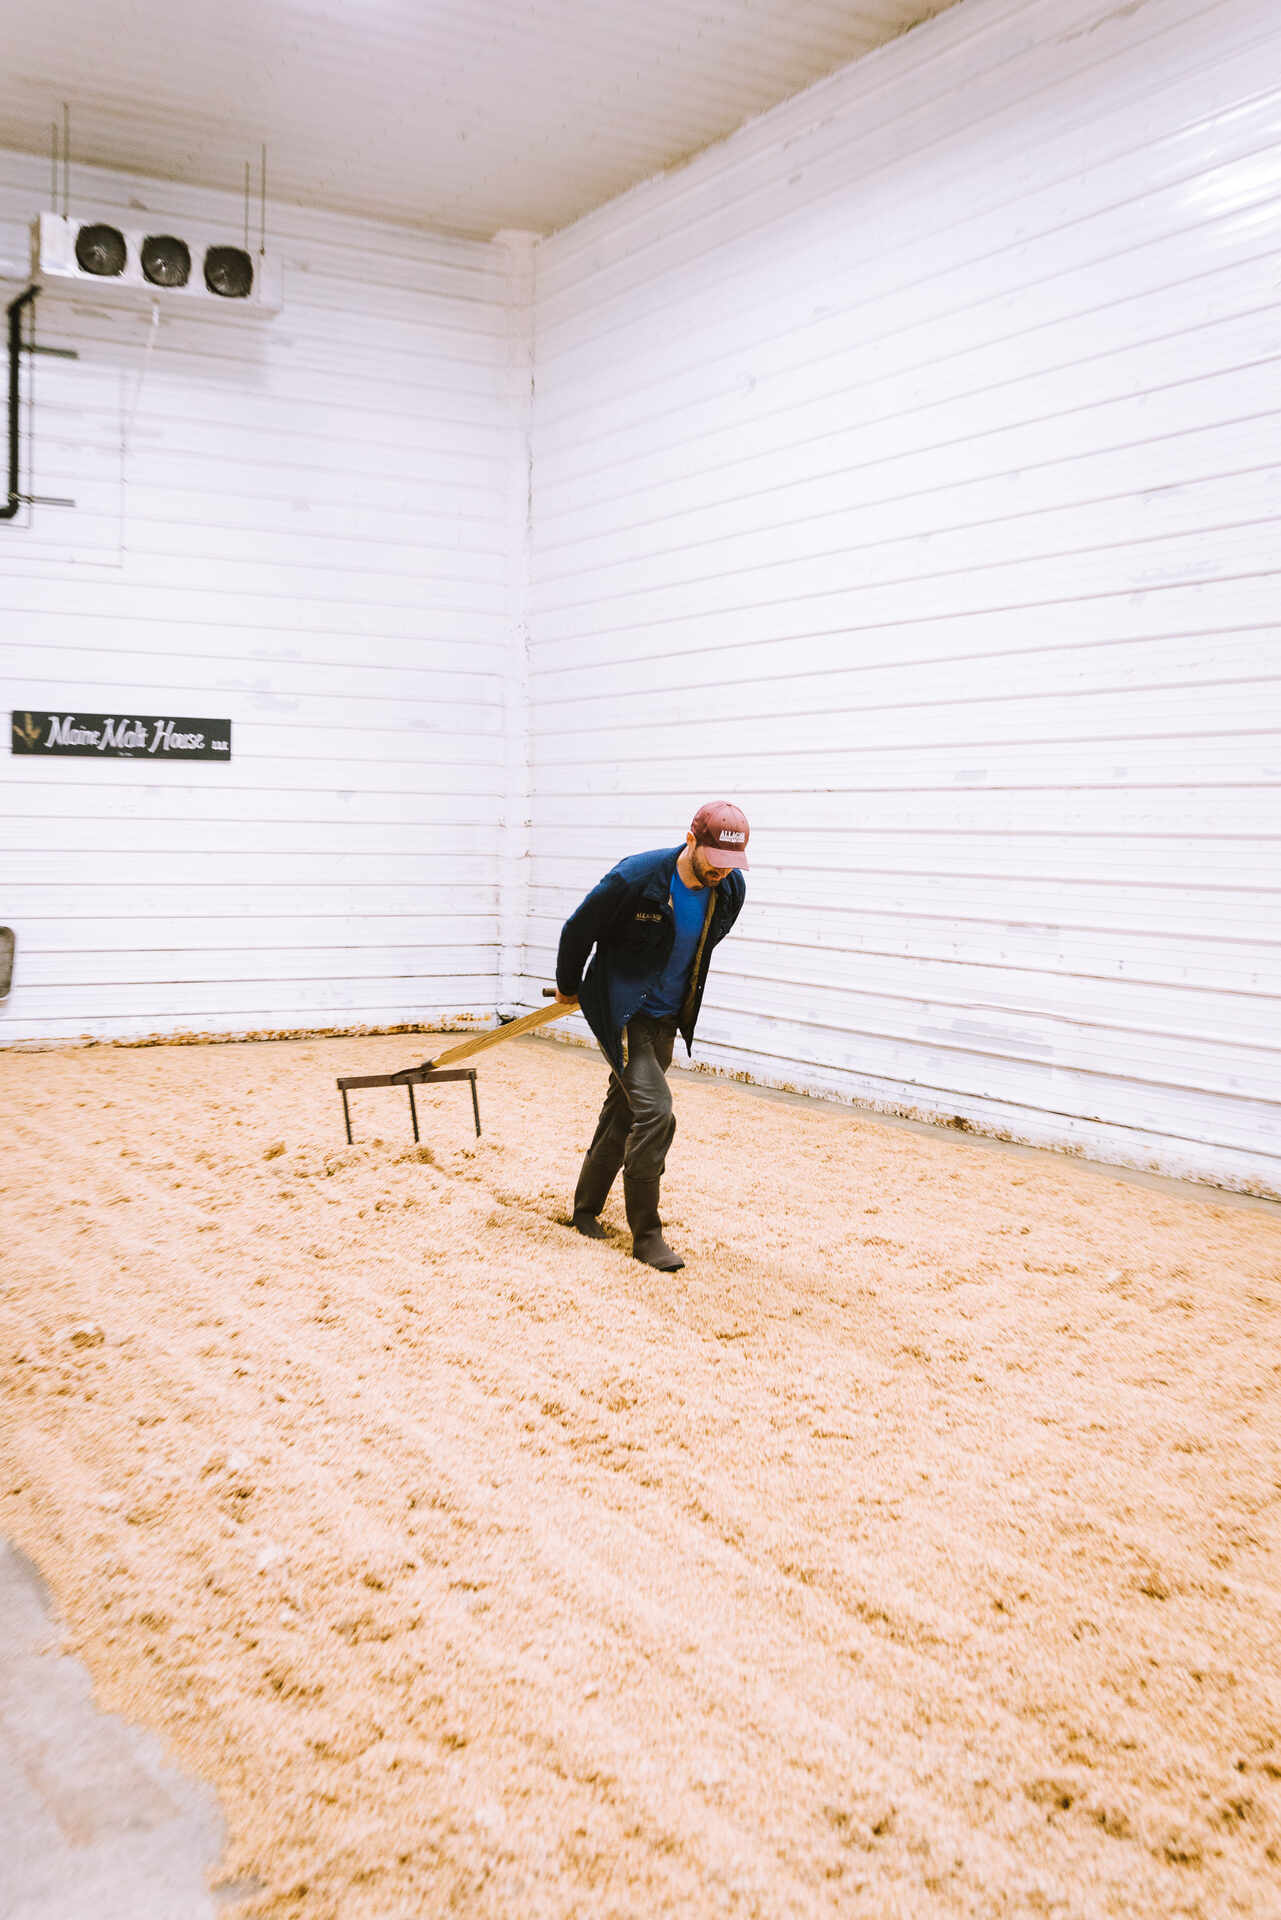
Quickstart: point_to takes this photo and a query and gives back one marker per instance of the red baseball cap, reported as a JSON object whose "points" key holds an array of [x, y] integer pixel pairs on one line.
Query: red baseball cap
{"points": [[721, 830]]}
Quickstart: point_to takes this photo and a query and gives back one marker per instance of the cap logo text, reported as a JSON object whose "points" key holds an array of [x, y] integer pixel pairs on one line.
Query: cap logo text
{"points": [[734, 839]]}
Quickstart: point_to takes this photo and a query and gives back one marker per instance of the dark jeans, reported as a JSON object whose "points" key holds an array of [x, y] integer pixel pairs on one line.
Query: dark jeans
{"points": [[636, 1122]]}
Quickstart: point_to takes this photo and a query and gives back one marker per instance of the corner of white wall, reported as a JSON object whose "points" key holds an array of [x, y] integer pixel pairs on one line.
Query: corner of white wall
{"points": [[513, 857]]}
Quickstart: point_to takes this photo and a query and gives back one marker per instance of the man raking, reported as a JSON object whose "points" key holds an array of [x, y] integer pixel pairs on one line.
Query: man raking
{"points": [[653, 921]]}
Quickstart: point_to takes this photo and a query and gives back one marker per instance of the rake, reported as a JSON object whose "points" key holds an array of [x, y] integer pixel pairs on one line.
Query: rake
{"points": [[445, 1066]]}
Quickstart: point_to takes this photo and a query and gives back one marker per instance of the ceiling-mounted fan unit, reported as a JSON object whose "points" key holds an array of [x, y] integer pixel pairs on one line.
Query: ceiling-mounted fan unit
{"points": [[136, 266]]}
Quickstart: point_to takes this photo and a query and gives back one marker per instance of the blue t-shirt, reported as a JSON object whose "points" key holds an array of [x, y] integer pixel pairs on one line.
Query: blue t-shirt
{"points": [[667, 996]]}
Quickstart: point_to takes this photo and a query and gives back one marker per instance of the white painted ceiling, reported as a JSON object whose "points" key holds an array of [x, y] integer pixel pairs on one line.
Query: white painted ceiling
{"points": [[461, 115]]}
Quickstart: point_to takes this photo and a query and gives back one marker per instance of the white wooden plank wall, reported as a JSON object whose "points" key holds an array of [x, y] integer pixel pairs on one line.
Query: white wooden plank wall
{"points": [[906, 469], [312, 536]]}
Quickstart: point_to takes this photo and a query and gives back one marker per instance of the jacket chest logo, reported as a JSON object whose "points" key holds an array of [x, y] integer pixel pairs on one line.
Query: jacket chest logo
{"points": [[655, 918]]}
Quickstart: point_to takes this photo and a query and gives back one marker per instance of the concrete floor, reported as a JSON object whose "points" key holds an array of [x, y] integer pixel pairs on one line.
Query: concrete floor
{"points": [[95, 1822]]}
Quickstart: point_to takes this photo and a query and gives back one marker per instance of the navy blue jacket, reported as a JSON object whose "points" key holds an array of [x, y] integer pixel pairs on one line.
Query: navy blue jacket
{"points": [[628, 918]]}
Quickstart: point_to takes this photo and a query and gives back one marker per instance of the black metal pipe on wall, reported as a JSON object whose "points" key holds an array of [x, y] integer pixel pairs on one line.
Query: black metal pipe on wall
{"points": [[15, 310]]}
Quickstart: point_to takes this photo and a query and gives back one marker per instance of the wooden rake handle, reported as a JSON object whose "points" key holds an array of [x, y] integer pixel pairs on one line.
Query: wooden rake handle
{"points": [[481, 1042]]}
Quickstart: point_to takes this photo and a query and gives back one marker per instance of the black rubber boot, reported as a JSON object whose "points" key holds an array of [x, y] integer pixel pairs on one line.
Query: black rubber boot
{"points": [[600, 1167], [648, 1243]]}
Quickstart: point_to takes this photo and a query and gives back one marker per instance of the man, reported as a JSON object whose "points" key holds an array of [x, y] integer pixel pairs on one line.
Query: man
{"points": [[653, 921]]}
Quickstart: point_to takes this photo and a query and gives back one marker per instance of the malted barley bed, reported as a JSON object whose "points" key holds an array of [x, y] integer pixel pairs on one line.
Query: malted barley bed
{"points": [[914, 1552]]}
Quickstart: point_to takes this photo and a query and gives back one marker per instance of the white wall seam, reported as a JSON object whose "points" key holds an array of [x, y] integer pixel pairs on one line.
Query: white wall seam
{"points": [[514, 884]]}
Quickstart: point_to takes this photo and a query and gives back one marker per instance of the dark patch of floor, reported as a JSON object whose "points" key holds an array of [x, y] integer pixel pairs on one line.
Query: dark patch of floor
{"points": [[96, 1823]]}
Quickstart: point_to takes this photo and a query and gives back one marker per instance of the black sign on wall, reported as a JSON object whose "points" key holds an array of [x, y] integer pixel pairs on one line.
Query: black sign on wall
{"points": [[124, 736]]}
